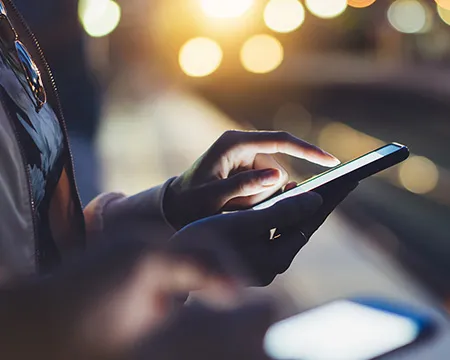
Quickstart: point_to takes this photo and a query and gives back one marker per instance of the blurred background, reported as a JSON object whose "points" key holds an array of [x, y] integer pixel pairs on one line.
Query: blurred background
{"points": [[148, 85]]}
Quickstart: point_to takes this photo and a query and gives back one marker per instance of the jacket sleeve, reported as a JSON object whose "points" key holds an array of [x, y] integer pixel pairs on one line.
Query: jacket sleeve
{"points": [[114, 216]]}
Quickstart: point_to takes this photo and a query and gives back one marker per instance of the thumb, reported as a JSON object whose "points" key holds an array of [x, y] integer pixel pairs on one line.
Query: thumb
{"points": [[247, 183]]}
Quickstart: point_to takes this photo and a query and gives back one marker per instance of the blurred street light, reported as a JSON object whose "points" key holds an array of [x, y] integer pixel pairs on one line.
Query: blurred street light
{"points": [[284, 15], [262, 54], [225, 8], [419, 175], [345, 142], [360, 3], [200, 57], [326, 8], [445, 4], [99, 17], [408, 16]]}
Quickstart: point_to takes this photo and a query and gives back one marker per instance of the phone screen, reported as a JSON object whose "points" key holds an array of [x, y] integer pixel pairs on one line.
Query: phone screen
{"points": [[332, 174], [342, 330]]}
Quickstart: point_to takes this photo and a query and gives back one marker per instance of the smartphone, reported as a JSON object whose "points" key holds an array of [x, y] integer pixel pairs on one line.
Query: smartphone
{"points": [[347, 330], [352, 171]]}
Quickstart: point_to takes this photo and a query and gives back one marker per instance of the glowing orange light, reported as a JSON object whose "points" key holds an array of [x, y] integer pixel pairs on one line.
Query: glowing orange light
{"points": [[360, 3], [445, 4]]}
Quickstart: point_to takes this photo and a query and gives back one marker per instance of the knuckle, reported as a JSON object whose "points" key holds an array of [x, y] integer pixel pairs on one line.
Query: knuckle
{"points": [[227, 140], [245, 185], [229, 135], [284, 135]]}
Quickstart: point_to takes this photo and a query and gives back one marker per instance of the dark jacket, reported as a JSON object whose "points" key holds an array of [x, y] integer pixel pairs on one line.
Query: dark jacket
{"points": [[42, 221]]}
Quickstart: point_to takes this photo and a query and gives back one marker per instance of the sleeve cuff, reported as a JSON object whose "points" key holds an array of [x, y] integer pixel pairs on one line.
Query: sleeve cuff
{"points": [[141, 217]]}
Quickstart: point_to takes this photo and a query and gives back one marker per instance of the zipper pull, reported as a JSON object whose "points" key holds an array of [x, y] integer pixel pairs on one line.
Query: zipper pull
{"points": [[33, 75], [18, 54]]}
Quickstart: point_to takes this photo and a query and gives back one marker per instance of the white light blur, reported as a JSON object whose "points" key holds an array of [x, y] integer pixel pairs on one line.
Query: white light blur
{"points": [[99, 17], [284, 16], [340, 330], [225, 8], [408, 16], [200, 57], [326, 8]]}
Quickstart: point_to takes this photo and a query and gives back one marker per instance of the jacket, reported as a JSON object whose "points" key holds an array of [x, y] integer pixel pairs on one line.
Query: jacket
{"points": [[41, 218]]}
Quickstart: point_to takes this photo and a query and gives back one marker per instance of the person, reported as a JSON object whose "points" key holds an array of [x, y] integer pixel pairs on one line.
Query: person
{"points": [[43, 226], [79, 91]]}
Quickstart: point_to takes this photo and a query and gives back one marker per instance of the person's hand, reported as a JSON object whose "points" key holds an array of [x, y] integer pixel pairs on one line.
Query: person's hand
{"points": [[101, 308], [237, 172], [247, 232], [201, 333]]}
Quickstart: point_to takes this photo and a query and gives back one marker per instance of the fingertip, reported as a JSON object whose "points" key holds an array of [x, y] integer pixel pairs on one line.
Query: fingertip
{"points": [[323, 158], [289, 186], [330, 160]]}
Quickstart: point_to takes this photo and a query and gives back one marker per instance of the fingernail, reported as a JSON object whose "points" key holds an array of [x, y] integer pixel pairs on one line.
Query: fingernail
{"points": [[270, 177], [333, 159]]}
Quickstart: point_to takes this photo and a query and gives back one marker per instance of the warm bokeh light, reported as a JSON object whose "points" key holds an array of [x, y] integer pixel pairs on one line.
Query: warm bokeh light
{"points": [[200, 57], [445, 4], [419, 175], [225, 8], [262, 54], [284, 15], [360, 3], [326, 8], [408, 16], [444, 14], [99, 17], [345, 142]]}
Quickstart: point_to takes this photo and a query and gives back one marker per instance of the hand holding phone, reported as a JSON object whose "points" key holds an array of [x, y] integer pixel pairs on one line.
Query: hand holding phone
{"points": [[347, 173]]}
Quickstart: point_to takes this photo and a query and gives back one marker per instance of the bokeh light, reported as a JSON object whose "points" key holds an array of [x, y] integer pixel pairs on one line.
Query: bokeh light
{"points": [[345, 142], [99, 17], [360, 3], [284, 15], [419, 175], [262, 54], [408, 16], [200, 57], [226, 8], [445, 4], [444, 14], [326, 8]]}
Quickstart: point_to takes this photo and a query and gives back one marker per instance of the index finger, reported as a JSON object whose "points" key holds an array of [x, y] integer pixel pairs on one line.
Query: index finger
{"points": [[272, 142]]}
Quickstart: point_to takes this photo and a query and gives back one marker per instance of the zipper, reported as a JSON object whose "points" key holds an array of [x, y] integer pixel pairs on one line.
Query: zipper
{"points": [[62, 123]]}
